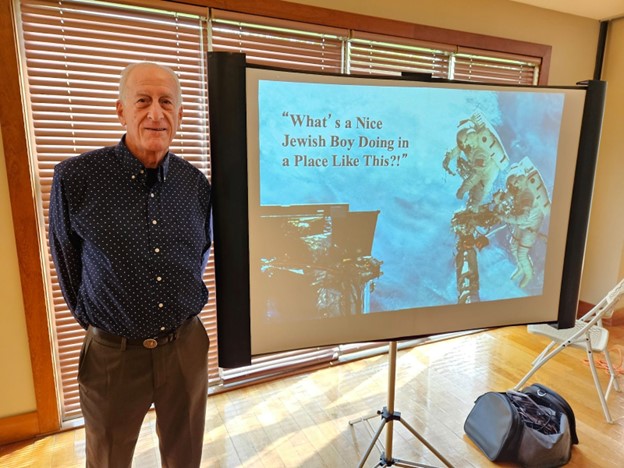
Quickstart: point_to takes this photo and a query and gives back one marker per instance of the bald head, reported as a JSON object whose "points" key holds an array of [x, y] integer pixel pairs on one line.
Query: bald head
{"points": [[126, 72]]}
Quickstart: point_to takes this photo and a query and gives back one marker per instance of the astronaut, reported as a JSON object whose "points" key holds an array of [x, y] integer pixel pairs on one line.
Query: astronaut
{"points": [[479, 157], [524, 215]]}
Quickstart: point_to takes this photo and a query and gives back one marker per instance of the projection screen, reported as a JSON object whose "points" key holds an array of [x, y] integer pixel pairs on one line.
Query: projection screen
{"points": [[386, 208]]}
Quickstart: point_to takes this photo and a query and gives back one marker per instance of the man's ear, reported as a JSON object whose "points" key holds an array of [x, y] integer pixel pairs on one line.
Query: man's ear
{"points": [[120, 116], [180, 112]]}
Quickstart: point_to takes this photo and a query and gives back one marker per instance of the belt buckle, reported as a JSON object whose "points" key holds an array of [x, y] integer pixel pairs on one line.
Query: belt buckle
{"points": [[150, 343]]}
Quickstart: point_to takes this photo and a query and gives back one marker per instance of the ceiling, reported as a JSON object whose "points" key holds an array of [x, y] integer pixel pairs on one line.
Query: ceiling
{"points": [[594, 9]]}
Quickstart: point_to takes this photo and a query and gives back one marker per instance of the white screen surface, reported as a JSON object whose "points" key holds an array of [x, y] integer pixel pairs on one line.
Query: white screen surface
{"points": [[357, 230]]}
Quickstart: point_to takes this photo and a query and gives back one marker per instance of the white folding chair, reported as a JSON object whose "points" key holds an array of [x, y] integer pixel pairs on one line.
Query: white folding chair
{"points": [[589, 334]]}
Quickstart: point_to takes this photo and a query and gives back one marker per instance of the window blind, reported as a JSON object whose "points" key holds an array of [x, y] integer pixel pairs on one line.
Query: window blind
{"points": [[470, 65], [284, 44], [381, 55]]}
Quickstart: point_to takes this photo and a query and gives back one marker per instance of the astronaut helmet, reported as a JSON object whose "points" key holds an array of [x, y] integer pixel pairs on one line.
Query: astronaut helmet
{"points": [[516, 181], [467, 139]]}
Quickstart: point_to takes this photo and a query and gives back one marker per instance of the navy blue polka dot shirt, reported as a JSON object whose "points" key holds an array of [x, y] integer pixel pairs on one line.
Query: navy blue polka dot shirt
{"points": [[130, 244]]}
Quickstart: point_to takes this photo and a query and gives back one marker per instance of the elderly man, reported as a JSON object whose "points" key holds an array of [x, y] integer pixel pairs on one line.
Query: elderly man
{"points": [[130, 237]]}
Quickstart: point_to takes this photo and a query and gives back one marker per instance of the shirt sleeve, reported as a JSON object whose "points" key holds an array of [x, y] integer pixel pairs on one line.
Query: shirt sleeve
{"points": [[65, 246]]}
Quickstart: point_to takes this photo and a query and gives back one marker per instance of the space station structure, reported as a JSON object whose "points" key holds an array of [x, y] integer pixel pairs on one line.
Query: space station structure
{"points": [[318, 263]]}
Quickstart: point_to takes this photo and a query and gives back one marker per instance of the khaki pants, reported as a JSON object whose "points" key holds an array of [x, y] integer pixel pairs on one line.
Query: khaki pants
{"points": [[119, 383]]}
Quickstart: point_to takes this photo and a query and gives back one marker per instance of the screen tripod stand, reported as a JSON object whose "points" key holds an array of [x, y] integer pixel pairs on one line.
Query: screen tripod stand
{"points": [[388, 416]]}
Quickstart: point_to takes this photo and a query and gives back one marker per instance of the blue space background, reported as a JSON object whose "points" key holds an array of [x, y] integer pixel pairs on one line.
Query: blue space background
{"points": [[414, 194]]}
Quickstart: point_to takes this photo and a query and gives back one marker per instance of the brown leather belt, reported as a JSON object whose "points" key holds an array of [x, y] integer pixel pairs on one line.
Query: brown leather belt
{"points": [[149, 343]]}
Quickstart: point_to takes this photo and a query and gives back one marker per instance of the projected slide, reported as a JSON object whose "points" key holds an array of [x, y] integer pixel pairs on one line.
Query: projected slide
{"points": [[375, 199], [360, 208]]}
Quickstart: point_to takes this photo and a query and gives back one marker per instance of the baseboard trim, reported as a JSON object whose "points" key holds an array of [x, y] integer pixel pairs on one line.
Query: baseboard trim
{"points": [[20, 427]]}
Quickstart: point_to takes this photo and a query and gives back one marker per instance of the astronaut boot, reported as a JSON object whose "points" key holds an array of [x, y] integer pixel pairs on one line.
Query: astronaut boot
{"points": [[526, 280], [518, 273], [526, 265]]}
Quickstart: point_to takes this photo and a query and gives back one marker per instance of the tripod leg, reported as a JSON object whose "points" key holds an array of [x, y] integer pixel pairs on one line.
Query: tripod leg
{"points": [[363, 418], [426, 444], [372, 444], [409, 464]]}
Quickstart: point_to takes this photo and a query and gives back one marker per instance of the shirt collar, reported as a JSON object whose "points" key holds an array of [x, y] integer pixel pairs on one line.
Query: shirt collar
{"points": [[134, 166]]}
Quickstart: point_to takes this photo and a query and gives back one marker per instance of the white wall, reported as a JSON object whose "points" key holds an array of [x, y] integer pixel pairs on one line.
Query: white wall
{"points": [[604, 263]]}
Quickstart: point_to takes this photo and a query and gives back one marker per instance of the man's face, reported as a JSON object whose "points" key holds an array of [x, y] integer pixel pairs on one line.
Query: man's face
{"points": [[151, 113]]}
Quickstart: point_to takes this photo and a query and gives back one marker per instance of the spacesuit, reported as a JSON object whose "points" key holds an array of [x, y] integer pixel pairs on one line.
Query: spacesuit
{"points": [[479, 156], [524, 218]]}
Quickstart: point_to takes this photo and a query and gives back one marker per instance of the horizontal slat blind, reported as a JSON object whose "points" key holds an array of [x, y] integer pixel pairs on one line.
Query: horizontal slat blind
{"points": [[280, 365], [283, 44], [378, 55], [74, 52], [472, 65]]}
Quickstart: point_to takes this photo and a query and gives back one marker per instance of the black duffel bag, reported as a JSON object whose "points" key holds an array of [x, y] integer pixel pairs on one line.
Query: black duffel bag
{"points": [[534, 427]]}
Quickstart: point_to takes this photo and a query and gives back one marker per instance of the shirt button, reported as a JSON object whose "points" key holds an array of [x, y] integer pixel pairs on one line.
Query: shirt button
{"points": [[133, 177], [152, 195], [162, 328], [154, 221], [156, 250], [141, 171], [158, 278], [161, 305]]}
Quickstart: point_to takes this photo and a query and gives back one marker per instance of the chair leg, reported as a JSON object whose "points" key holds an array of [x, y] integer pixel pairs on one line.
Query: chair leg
{"points": [[550, 346], [540, 361], [601, 395], [613, 381]]}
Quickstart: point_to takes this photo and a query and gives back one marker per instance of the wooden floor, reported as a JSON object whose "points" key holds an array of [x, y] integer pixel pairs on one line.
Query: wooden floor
{"points": [[303, 421]]}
